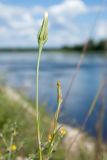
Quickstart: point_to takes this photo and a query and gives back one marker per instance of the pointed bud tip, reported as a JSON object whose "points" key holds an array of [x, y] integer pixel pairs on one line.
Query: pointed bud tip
{"points": [[43, 33], [46, 15]]}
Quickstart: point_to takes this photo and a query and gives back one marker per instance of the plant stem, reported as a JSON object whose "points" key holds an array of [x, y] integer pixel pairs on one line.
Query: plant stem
{"points": [[37, 108], [4, 140], [10, 151]]}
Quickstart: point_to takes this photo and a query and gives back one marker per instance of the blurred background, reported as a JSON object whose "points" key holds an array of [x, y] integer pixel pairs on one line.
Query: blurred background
{"points": [[75, 54]]}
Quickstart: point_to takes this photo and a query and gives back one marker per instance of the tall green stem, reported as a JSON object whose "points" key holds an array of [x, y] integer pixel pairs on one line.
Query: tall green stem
{"points": [[37, 108]]}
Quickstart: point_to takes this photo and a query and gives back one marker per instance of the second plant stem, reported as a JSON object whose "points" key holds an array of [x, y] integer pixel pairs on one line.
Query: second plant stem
{"points": [[10, 151]]}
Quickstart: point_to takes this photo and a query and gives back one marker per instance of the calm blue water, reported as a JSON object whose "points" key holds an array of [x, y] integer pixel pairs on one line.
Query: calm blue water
{"points": [[18, 70]]}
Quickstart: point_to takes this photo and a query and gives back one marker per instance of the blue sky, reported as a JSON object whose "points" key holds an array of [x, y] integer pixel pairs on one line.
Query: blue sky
{"points": [[70, 21]]}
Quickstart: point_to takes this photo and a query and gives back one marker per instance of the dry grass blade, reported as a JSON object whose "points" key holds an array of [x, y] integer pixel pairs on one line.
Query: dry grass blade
{"points": [[99, 92], [89, 112], [84, 51], [99, 130]]}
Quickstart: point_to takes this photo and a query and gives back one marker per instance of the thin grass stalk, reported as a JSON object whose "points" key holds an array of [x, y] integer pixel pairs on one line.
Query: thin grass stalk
{"points": [[52, 142], [99, 92], [89, 112], [4, 140], [84, 51], [99, 130]]}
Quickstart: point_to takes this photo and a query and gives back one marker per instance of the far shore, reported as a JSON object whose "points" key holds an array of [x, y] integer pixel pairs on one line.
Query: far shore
{"points": [[90, 47], [50, 50]]}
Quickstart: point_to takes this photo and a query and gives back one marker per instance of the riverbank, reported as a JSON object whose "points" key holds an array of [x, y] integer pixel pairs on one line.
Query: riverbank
{"points": [[18, 108]]}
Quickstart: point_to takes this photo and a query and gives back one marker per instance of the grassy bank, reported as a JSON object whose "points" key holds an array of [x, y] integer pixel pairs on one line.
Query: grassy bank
{"points": [[16, 110]]}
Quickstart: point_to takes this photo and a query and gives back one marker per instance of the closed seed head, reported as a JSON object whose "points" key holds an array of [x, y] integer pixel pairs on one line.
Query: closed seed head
{"points": [[43, 33], [59, 92]]}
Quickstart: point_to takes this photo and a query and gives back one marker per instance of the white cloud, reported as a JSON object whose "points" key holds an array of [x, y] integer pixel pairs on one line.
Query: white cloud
{"points": [[38, 10], [62, 17], [9, 11], [16, 17], [72, 7], [101, 30], [19, 25], [2, 30]]}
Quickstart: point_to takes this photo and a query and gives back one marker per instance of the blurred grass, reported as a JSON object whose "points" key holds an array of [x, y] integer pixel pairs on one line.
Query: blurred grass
{"points": [[12, 111]]}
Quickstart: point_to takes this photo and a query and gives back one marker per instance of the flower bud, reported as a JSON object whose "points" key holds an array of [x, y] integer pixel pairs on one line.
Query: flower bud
{"points": [[49, 138], [12, 147], [43, 33], [59, 93], [62, 131]]}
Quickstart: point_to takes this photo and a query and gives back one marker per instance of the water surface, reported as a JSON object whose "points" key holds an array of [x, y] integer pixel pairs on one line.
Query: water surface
{"points": [[18, 71]]}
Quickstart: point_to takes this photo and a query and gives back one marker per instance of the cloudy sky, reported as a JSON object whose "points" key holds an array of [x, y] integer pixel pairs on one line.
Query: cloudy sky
{"points": [[70, 21]]}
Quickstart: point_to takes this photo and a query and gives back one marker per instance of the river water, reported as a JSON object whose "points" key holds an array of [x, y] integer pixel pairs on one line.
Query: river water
{"points": [[18, 71]]}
